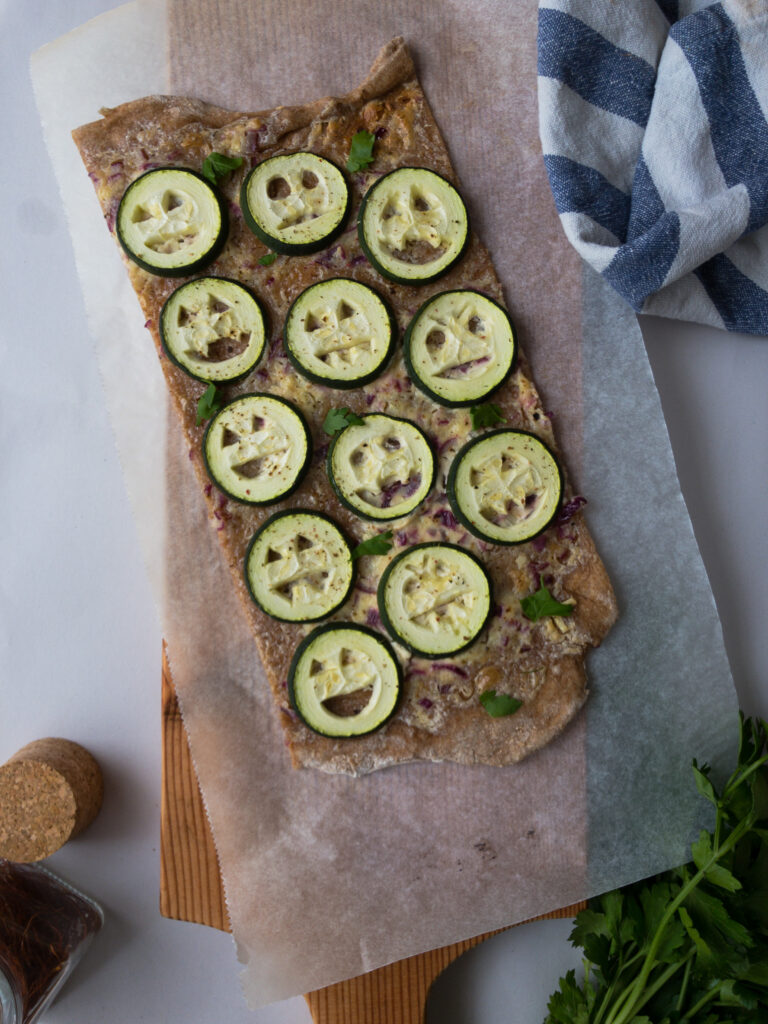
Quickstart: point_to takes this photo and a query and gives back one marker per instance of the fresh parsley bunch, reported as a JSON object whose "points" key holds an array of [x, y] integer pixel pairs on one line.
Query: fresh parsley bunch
{"points": [[690, 945]]}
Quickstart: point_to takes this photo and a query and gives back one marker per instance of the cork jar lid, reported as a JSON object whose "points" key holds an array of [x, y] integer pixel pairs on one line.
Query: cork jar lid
{"points": [[50, 790]]}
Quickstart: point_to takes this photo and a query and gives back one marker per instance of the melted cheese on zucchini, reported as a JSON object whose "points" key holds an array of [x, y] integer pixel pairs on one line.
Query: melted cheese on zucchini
{"points": [[338, 661], [296, 198], [303, 201], [382, 467], [459, 347], [344, 671], [339, 331], [260, 443], [169, 218], [299, 567], [413, 225], [256, 448], [412, 214], [505, 486], [434, 598], [213, 328]]}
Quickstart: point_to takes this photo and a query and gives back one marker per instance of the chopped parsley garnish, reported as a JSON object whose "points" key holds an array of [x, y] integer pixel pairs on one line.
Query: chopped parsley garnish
{"points": [[378, 545], [338, 419], [208, 404], [361, 151], [499, 704], [218, 165], [267, 259], [537, 605], [689, 946], [485, 415]]}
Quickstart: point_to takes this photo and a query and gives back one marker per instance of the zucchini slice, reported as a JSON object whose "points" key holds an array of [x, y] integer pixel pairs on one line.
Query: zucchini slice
{"points": [[382, 468], [505, 486], [257, 449], [171, 222], [299, 566], [459, 347], [413, 225], [213, 329], [344, 680], [295, 203], [434, 599], [339, 333]]}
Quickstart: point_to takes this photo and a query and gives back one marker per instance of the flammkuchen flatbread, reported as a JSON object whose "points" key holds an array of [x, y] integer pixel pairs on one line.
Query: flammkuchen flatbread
{"points": [[463, 639]]}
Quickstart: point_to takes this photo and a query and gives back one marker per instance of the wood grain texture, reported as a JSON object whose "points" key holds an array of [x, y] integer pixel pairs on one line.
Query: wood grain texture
{"points": [[191, 890], [190, 881]]}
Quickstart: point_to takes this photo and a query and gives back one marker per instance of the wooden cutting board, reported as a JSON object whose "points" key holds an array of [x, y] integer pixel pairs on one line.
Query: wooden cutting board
{"points": [[191, 890]]}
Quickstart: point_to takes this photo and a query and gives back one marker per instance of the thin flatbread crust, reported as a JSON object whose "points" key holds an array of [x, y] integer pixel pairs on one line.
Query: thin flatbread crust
{"points": [[542, 664]]}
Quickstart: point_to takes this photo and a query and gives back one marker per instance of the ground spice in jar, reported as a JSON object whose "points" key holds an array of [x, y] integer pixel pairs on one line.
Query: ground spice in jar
{"points": [[45, 927]]}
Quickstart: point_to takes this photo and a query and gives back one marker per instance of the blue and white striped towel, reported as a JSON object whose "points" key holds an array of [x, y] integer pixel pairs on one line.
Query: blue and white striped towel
{"points": [[653, 117]]}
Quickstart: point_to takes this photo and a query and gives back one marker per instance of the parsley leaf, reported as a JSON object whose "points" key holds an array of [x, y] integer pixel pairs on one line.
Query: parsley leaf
{"points": [[688, 945], [218, 165], [361, 151], [568, 1005], [208, 404], [718, 875], [378, 545], [338, 419], [485, 415], [267, 259], [499, 704], [536, 606]]}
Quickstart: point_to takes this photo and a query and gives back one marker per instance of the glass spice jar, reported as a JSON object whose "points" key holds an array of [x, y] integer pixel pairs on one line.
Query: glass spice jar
{"points": [[45, 927]]}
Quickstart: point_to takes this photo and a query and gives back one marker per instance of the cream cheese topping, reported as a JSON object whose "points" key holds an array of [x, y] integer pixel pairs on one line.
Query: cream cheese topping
{"points": [[201, 326], [412, 214], [308, 197], [435, 598], [436, 595], [258, 442], [168, 214], [383, 466], [338, 334], [168, 220], [507, 484], [344, 671], [256, 447]]}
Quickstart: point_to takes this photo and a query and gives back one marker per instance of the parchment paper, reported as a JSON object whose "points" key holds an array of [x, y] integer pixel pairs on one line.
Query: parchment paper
{"points": [[327, 877]]}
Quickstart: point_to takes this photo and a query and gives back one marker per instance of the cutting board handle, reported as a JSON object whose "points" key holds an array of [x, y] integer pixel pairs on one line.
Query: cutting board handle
{"points": [[395, 994], [191, 890]]}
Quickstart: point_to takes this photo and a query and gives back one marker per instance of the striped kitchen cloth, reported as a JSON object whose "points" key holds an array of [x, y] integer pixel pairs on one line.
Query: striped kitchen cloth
{"points": [[653, 117]]}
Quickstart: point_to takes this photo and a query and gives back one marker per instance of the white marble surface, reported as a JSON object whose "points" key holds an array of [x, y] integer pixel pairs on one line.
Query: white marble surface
{"points": [[80, 645]]}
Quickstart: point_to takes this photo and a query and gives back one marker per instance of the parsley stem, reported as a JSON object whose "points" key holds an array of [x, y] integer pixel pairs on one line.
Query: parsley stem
{"points": [[622, 967], [684, 986], [660, 982], [619, 1005], [637, 987], [735, 783], [606, 1003], [702, 1002]]}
